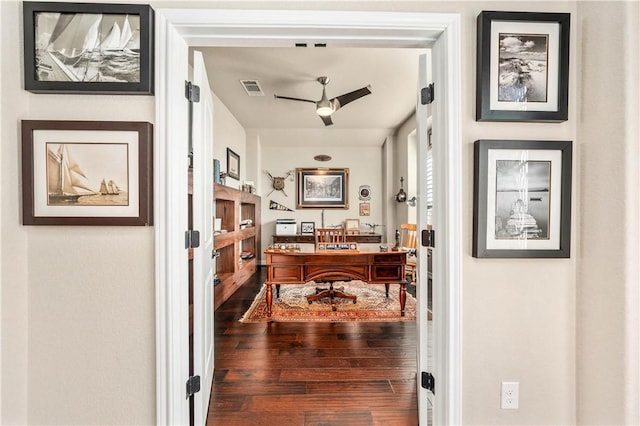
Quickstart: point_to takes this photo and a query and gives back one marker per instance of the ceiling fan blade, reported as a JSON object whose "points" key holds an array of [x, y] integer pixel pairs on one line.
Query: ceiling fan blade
{"points": [[342, 100], [326, 120], [293, 99]]}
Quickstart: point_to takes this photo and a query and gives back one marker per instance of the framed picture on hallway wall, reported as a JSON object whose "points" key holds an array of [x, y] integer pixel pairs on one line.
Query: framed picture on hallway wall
{"points": [[522, 199], [88, 48], [522, 69], [87, 173], [233, 164]]}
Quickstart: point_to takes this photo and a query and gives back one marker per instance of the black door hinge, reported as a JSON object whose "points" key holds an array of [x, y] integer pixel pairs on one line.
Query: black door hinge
{"points": [[193, 386], [192, 92], [427, 94], [429, 382], [191, 239], [428, 238]]}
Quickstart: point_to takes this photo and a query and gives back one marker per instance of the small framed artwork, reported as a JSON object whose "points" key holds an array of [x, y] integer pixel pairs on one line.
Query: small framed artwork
{"points": [[87, 173], [364, 193], [522, 199], [352, 226], [88, 48], [323, 188], [233, 164], [365, 209], [307, 227], [522, 71]]}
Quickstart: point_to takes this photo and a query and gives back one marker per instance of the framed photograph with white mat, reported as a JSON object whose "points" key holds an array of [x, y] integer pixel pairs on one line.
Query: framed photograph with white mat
{"points": [[522, 199], [522, 66]]}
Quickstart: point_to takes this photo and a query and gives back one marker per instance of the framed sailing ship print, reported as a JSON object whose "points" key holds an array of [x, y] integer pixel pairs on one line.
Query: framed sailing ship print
{"points": [[87, 173], [88, 48], [522, 199]]}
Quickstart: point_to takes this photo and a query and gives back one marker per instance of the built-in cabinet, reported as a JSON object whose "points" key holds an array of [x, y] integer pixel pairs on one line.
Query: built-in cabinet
{"points": [[237, 242]]}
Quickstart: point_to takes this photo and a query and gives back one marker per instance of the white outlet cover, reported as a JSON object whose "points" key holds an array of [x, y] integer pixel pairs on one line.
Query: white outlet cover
{"points": [[510, 395]]}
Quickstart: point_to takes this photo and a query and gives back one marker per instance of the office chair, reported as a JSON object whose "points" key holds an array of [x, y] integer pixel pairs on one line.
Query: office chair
{"points": [[325, 236]]}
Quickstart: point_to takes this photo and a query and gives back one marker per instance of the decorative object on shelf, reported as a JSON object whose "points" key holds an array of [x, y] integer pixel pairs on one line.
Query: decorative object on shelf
{"points": [[216, 171], [352, 226], [373, 226], [364, 193], [88, 48], [365, 209], [277, 206], [401, 196], [411, 202], [522, 199], [87, 173], [307, 227], [323, 188], [233, 164], [278, 182], [522, 66]]}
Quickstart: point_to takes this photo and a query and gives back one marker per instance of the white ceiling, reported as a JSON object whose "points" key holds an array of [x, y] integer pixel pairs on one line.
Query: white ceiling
{"points": [[391, 72]]}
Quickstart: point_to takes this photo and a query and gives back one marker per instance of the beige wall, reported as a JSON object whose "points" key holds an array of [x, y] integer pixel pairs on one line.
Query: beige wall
{"points": [[78, 340], [608, 253]]}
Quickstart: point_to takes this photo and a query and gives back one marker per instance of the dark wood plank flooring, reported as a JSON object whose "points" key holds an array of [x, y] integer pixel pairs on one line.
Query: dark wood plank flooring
{"points": [[310, 373]]}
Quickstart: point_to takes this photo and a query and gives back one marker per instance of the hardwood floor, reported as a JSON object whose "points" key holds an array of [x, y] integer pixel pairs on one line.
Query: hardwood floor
{"points": [[310, 373]]}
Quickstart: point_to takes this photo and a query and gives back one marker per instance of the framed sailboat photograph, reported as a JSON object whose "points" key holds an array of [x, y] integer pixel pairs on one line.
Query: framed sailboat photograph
{"points": [[88, 48], [87, 173]]}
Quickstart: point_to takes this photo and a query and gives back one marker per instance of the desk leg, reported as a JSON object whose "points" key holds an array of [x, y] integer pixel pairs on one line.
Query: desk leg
{"points": [[269, 296], [403, 298], [386, 289], [277, 290]]}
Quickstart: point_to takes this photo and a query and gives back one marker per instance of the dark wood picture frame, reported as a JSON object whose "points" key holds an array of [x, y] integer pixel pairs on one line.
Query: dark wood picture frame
{"points": [[46, 153], [322, 188], [538, 42], [134, 53], [522, 199], [233, 164], [307, 228]]}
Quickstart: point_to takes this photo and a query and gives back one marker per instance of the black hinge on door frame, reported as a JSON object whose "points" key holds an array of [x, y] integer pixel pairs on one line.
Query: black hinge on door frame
{"points": [[429, 382], [193, 386], [428, 238], [192, 93], [427, 94], [191, 239]]}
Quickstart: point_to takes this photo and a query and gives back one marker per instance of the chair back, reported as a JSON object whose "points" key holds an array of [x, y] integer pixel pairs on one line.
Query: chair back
{"points": [[408, 236], [330, 235]]}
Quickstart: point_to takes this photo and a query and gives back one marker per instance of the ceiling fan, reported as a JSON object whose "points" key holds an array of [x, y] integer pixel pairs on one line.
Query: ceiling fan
{"points": [[325, 106]]}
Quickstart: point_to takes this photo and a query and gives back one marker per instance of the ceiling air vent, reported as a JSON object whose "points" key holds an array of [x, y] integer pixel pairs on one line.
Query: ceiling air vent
{"points": [[252, 87]]}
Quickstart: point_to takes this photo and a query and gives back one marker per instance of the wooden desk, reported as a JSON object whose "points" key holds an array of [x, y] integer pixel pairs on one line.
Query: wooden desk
{"points": [[310, 239], [372, 267]]}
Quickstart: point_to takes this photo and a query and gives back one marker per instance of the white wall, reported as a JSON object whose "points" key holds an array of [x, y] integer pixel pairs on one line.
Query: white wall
{"points": [[228, 133], [520, 316]]}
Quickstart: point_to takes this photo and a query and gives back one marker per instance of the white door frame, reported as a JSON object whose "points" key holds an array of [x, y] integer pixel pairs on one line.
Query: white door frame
{"points": [[176, 30]]}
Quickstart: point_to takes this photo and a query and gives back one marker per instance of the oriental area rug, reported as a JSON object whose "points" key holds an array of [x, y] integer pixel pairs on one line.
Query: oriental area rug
{"points": [[292, 305]]}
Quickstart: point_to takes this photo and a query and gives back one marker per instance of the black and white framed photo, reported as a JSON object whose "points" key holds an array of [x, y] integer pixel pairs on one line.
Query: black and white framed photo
{"points": [[522, 199], [87, 173], [323, 188], [522, 66], [233, 164], [307, 228], [88, 48]]}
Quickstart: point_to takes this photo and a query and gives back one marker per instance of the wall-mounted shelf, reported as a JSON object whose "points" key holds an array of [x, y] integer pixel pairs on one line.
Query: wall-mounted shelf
{"points": [[234, 266]]}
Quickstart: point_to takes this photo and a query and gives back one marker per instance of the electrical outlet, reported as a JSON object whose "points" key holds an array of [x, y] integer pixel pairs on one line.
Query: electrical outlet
{"points": [[510, 395]]}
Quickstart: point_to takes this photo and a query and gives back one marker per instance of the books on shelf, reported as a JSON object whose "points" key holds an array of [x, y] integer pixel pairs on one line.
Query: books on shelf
{"points": [[246, 255], [247, 223]]}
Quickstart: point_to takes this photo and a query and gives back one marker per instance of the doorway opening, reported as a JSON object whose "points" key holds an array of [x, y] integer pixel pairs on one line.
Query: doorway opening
{"points": [[176, 31]]}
